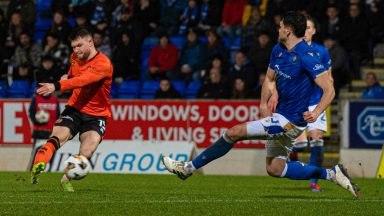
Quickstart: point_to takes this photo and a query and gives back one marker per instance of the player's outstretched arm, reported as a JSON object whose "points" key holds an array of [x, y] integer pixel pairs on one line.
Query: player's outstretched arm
{"points": [[269, 86], [93, 74], [325, 82]]}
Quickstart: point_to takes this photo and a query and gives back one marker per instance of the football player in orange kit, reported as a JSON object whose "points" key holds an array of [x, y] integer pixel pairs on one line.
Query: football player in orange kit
{"points": [[90, 78]]}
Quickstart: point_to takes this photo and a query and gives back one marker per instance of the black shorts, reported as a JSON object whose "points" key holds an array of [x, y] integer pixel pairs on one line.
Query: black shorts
{"points": [[79, 122]]}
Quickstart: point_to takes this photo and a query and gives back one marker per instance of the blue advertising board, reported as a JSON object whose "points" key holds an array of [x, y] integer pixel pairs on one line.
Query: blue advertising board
{"points": [[366, 124]]}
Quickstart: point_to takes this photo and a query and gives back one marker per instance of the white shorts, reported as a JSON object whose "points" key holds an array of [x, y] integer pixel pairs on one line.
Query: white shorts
{"points": [[320, 123], [278, 132]]}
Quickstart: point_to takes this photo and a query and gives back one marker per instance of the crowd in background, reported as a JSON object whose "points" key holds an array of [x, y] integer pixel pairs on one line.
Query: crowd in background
{"points": [[350, 29]]}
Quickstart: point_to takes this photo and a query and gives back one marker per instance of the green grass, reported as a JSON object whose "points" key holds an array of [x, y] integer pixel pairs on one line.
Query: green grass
{"points": [[108, 194]]}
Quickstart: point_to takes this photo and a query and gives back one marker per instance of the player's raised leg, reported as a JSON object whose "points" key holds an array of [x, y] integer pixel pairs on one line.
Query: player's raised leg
{"points": [[89, 140], [59, 136]]}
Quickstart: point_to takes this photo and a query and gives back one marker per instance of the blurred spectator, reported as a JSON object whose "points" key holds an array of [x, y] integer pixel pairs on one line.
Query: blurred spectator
{"points": [[215, 88], [61, 5], [125, 60], [125, 5], [3, 28], [15, 28], [162, 59], [253, 28], [373, 90], [57, 50], [376, 17], [339, 64], [81, 20], [259, 53], [259, 85], [43, 129], [210, 14], [60, 26], [102, 43], [189, 17], [101, 12], [47, 71], [214, 47], [242, 69], [355, 38], [166, 90], [26, 8], [81, 7], [146, 18], [332, 26], [170, 11], [231, 18], [240, 90], [217, 62], [190, 55], [123, 24], [27, 52], [23, 72]]}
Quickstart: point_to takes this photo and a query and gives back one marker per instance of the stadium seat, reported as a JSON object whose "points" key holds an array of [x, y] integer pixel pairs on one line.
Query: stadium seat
{"points": [[178, 41], [129, 90], [179, 86], [43, 4], [19, 89], [149, 43], [42, 24], [236, 44], [3, 89], [192, 89], [38, 36], [32, 89], [227, 41], [149, 89]]}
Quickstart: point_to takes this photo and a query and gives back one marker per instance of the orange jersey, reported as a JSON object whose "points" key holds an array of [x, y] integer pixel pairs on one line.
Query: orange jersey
{"points": [[91, 84]]}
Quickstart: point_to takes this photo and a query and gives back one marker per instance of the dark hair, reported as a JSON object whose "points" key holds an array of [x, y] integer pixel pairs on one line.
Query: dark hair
{"points": [[296, 21], [80, 32], [312, 20]]}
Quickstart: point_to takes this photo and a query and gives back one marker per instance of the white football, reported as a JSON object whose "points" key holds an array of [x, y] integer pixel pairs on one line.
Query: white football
{"points": [[77, 167], [42, 116]]}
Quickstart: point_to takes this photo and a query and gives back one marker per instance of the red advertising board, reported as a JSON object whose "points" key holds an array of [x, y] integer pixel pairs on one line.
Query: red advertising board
{"points": [[199, 121]]}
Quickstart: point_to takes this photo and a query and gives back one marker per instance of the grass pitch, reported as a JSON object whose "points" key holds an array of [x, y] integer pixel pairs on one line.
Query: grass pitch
{"points": [[108, 194]]}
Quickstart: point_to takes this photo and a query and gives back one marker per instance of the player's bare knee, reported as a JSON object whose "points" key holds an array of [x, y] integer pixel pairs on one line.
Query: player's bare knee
{"points": [[235, 133], [274, 170]]}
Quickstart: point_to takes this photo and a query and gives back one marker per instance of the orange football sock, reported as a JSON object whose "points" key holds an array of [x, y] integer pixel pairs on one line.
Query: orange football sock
{"points": [[47, 150]]}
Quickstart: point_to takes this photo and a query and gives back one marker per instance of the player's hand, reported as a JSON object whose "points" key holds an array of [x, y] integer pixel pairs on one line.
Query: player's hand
{"points": [[272, 102], [45, 89], [265, 111], [64, 77], [310, 116]]}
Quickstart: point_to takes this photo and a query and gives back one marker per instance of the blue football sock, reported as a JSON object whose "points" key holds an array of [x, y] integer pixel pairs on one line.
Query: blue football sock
{"points": [[298, 171], [218, 149], [317, 155]]}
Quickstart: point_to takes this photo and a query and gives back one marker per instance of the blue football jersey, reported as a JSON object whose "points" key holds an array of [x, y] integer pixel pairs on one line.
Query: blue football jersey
{"points": [[295, 71], [323, 54]]}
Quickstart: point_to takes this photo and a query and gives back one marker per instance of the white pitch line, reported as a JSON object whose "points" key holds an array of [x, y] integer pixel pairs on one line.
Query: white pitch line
{"points": [[191, 201]]}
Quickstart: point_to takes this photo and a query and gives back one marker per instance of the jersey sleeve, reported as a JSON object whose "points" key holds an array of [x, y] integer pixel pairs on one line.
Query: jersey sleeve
{"points": [[272, 58], [326, 59], [312, 63], [94, 73]]}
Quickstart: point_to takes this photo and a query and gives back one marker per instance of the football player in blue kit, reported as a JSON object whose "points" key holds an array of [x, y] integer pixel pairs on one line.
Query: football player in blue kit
{"points": [[293, 71], [315, 129]]}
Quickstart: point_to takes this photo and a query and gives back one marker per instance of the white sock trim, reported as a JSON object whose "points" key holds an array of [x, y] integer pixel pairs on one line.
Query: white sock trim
{"points": [[316, 142], [284, 171]]}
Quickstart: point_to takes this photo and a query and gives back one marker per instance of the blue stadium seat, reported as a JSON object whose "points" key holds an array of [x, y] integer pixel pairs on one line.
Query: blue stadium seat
{"points": [[179, 86], [42, 24], [3, 89], [72, 21], [38, 36], [149, 89], [32, 89], [178, 41], [192, 89], [227, 41], [129, 90], [236, 44], [19, 89], [149, 43]]}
